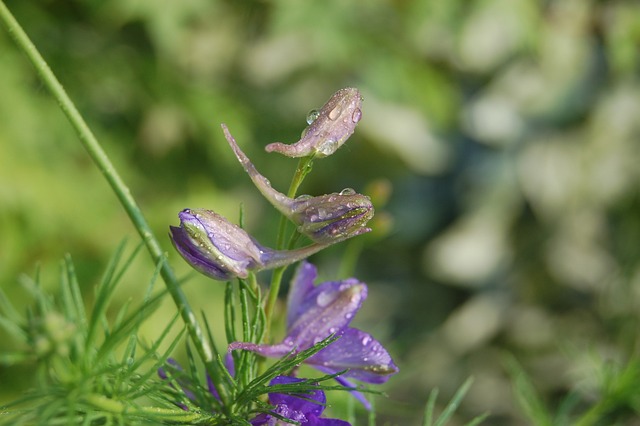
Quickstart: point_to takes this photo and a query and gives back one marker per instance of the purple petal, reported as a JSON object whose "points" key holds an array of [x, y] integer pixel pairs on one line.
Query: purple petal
{"points": [[193, 257], [312, 403], [321, 310], [365, 357], [304, 408], [301, 285]]}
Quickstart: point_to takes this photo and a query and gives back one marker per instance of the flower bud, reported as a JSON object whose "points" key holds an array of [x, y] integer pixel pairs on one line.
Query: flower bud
{"points": [[332, 218], [331, 127], [214, 246], [325, 219], [221, 250]]}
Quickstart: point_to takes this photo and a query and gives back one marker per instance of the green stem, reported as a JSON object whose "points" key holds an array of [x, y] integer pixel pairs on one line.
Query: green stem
{"points": [[304, 167], [123, 193], [109, 405]]}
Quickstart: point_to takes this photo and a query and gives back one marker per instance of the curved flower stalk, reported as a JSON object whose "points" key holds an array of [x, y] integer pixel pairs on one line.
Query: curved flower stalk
{"points": [[221, 250], [326, 219], [316, 312], [329, 127]]}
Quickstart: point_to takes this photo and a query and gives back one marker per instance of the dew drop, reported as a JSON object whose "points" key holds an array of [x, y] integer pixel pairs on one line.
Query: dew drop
{"points": [[366, 340], [348, 191], [303, 197], [357, 115], [332, 330], [312, 116], [324, 299], [335, 113], [328, 147]]}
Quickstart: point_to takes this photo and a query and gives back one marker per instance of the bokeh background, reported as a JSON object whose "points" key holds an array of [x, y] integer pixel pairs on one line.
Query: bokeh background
{"points": [[500, 137]]}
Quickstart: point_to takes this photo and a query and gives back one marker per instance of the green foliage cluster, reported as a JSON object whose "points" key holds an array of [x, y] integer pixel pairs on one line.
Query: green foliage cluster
{"points": [[508, 130]]}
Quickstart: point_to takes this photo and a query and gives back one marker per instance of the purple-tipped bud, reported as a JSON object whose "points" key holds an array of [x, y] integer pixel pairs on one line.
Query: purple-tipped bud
{"points": [[332, 218], [326, 219], [214, 246], [222, 251], [331, 127]]}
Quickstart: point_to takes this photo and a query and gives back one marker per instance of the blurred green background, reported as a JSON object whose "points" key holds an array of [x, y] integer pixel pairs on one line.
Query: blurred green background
{"points": [[507, 131]]}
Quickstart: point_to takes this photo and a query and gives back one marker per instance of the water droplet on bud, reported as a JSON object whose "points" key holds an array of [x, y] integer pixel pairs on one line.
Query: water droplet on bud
{"points": [[357, 115], [328, 147], [312, 116], [335, 113], [348, 191]]}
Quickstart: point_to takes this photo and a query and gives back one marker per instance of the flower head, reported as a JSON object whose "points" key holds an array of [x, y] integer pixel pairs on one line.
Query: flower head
{"points": [[326, 219], [329, 127], [305, 409], [221, 250], [316, 312]]}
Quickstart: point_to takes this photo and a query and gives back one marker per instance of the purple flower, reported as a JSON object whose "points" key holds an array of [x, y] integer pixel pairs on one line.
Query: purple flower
{"points": [[305, 409], [326, 219], [329, 127], [316, 312], [221, 250]]}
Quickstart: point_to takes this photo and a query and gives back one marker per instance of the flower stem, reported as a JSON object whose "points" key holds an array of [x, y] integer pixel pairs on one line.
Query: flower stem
{"points": [[304, 167], [115, 407], [123, 193]]}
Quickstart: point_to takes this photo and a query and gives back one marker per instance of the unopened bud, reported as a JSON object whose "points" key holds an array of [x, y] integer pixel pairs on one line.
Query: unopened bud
{"points": [[332, 218], [222, 251], [331, 127]]}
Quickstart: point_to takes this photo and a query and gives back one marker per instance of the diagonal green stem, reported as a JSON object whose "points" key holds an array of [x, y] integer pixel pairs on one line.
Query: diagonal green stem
{"points": [[304, 167], [105, 166]]}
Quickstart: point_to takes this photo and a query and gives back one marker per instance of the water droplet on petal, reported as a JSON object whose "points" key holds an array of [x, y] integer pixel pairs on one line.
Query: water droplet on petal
{"points": [[332, 330], [312, 116], [357, 115], [348, 191], [366, 340], [324, 299], [303, 197], [335, 113]]}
